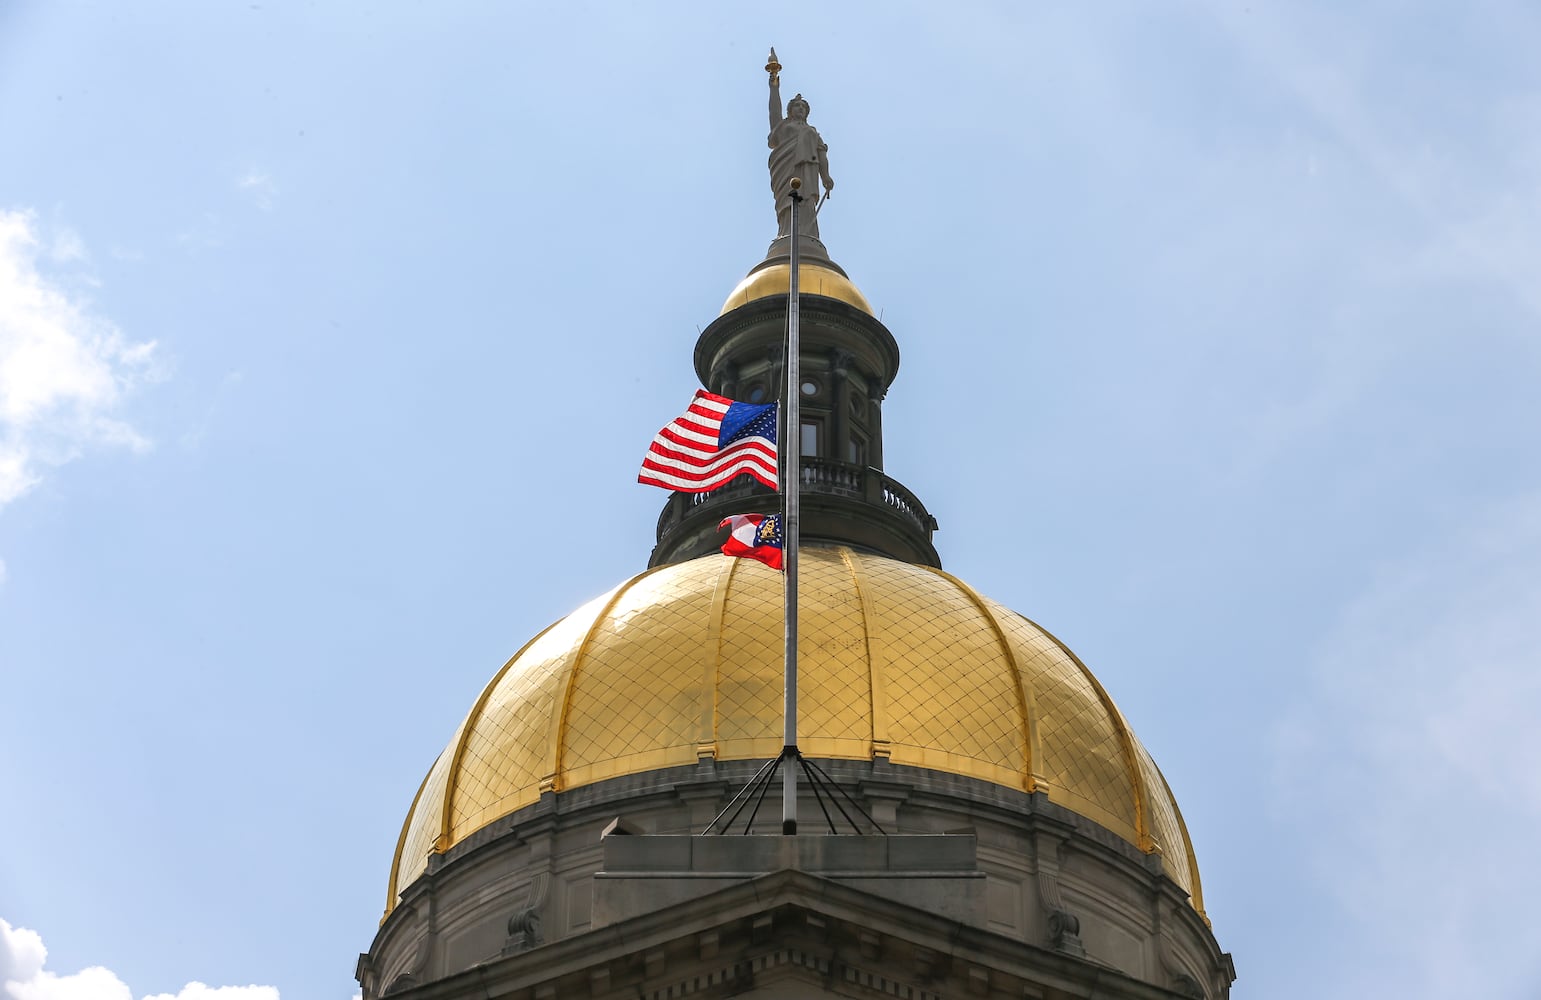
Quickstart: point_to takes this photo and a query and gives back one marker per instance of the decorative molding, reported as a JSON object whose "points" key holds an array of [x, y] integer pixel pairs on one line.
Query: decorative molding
{"points": [[1064, 926], [747, 971], [1182, 981], [524, 925], [882, 984], [740, 972]]}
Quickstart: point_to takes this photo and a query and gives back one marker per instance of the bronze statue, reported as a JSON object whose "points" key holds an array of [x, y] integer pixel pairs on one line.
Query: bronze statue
{"points": [[796, 151]]}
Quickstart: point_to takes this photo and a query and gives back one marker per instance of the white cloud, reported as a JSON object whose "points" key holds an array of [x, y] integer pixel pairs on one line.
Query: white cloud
{"points": [[63, 371], [1410, 767], [23, 977], [198, 991]]}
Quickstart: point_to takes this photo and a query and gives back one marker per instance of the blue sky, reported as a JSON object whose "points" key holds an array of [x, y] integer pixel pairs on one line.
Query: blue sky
{"points": [[331, 336]]}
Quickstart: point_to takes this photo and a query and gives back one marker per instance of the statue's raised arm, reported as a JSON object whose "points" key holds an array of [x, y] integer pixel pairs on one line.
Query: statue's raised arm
{"points": [[774, 69], [796, 151]]}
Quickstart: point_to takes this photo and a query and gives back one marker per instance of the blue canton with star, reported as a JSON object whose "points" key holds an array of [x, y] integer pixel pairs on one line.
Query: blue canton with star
{"points": [[769, 532], [747, 420]]}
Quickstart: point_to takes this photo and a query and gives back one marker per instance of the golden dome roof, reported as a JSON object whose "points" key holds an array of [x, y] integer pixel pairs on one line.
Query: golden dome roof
{"points": [[895, 659], [812, 279]]}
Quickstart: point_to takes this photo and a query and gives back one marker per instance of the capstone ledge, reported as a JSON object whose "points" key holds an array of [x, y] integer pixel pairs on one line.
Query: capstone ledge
{"points": [[642, 873]]}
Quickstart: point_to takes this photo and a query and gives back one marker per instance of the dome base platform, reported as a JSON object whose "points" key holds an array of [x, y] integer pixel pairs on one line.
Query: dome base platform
{"points": [[1044, 897]]}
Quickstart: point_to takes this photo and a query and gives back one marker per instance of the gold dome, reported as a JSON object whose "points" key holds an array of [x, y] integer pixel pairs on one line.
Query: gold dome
{"points": [[812, 279], [895, 659]]}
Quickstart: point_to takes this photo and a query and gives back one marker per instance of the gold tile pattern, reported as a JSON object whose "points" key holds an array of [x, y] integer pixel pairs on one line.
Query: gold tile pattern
{"points": [[687, 659], [749, 664], [422, 828], [952, 696], [505, 748]]}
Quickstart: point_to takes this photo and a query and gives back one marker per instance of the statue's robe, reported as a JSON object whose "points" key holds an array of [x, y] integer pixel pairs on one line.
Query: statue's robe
{"points": [[796, 151]]}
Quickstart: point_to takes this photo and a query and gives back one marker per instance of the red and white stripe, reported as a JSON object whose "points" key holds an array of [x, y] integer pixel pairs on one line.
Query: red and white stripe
{"points": [[684, 455]]}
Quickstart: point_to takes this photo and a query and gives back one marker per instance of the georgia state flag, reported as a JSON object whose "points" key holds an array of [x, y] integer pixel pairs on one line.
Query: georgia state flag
{"points": [[756, 536]]}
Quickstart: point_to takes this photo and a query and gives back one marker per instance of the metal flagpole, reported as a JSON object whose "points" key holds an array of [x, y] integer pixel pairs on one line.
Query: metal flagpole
{"points": [[792, 466]]}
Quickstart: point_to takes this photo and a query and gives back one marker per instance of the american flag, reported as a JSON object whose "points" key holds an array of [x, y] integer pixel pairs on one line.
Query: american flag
{"points": [[714, 441]]}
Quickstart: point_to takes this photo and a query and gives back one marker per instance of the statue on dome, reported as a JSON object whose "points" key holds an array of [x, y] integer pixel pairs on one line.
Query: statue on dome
{"points": [[796, 151]]}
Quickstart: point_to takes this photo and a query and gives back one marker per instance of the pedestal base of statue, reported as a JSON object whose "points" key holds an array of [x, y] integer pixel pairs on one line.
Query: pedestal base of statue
{"points": [[808, 248]]}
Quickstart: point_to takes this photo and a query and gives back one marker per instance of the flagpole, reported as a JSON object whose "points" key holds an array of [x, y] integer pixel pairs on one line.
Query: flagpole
{"points": [[792, 476]]}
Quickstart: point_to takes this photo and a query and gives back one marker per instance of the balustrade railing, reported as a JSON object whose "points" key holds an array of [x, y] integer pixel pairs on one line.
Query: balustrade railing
{"points": [[819, 475]]}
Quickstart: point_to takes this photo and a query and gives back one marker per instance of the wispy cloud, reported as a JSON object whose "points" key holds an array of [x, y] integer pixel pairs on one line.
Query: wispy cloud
{"points": [[64, 371], [67, 247], [24, 977], [198, 431], [1416, 742], [207, 233], [259, 187]]}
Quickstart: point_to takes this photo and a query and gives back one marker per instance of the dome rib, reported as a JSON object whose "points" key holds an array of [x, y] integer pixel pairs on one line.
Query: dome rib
{"points": [[447, 815], [878, 694], [1142, 821], [1031, 749], [1196, 893], [401, 842], [707, 743], [551, 781]]}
